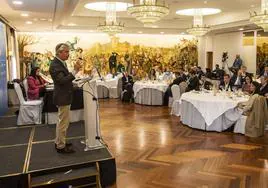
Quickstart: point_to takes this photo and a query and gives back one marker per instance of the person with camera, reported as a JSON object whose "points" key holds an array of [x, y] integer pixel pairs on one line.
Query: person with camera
{"points": [[237, 62]]}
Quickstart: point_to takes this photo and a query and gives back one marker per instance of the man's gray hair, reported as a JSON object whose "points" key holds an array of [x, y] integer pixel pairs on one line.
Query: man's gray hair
{"points": [[60, 47]]}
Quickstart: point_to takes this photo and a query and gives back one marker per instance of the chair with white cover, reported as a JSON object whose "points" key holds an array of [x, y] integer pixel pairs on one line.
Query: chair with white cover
{"points": [[26, 87], [30, 112], [115, 92], [175, 89]]}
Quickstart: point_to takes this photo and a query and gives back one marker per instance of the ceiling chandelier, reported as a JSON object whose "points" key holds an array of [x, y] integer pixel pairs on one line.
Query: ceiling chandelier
{"points": [[148, 11], [110, 26], [261, 18], [198, 28]]}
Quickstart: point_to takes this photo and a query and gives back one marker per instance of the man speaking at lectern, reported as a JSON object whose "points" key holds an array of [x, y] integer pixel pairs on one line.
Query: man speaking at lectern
{"points": [[62, 95]]}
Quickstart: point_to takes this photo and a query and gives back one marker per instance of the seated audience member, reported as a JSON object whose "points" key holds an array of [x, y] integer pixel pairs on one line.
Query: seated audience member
{"points": [[199, 72], [179, 78], [193, 81], [204, 83], [264, 86], [218, 73], [208, 74], [254, 90], [237, 79], [247, 84], [36, 84], [226, 84], [127, 81], [127, 86], [264, 72]]}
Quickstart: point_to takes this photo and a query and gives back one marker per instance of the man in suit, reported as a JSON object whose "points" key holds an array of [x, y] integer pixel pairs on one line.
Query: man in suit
{"points": [[62, 95], [127, 85], [239, 78], [226, 84], [113, 63], [237, 62], [193, 81], [264, 86]]}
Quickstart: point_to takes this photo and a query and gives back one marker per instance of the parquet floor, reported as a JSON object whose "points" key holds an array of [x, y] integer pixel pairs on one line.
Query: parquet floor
{"points": [[153, 149]]}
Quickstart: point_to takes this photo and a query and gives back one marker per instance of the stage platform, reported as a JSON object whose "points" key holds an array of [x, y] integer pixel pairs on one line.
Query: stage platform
{"points": [[29, 158]]}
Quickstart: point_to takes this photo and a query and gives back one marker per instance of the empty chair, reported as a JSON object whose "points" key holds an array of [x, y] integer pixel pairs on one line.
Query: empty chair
{"points": [[30, 112], [176, 93]]}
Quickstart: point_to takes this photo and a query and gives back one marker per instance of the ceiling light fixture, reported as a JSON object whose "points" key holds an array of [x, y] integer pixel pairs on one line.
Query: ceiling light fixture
{"points": [[241, 29], [198, 29], [24, 14], [162, 32], [203, 11], [148, 11], [261, 18], [101, 6], [71, 24], [17, 2], [140, 32], [29, 22], [111, 26]]}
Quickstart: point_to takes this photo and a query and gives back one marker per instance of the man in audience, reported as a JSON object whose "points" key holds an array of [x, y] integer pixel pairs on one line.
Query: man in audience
{"points": [[127, 86], [237, 62], [226, 84], [265, 71], [204, 83], [264, 86], [62, 95], [113, 63], [218, 73], [193, 81], [240, 77]]}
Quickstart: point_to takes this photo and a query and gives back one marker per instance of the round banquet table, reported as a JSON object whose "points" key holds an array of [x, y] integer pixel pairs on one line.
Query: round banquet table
{"points": [[149, 92], [205, 111]]}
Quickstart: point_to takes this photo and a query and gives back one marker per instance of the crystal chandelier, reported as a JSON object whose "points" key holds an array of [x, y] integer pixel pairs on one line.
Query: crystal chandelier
{"points": [[110, 26], [261, 18], [148, 11], [198, 28]]}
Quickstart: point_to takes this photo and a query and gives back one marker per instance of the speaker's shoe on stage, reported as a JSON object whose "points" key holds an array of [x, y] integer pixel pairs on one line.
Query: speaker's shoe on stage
{"points": [[66, 150], [66, 144]]}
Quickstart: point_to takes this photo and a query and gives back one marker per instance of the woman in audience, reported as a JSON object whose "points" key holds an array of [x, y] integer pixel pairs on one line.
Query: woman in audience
{"points": [[246, 86], [36, 84]]}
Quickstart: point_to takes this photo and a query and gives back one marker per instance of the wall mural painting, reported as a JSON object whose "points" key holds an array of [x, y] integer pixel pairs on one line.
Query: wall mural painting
{"points": [[137, 59], [262, 51]]}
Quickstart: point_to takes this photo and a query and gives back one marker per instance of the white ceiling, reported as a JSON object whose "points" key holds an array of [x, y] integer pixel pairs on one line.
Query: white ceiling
{"points": [[59, 13]]}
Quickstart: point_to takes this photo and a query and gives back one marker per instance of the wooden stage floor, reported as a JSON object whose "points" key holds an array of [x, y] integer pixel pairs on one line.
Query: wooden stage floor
{"points": [[152, 149]]}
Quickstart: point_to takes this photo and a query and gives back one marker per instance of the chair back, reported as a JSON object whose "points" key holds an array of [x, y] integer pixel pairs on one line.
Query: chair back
{"points": [[25, 85], [119, 86], [176, 93], [183, 86], [19, 93]]}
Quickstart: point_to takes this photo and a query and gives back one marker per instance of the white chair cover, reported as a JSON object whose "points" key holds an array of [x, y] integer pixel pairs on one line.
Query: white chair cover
{"points": [[183, 86], [30, 112], [240, 125], [26, 87], [175, 89]]}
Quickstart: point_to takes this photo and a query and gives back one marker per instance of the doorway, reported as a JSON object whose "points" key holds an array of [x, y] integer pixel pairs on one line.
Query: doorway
{"points": [[210, 60]]}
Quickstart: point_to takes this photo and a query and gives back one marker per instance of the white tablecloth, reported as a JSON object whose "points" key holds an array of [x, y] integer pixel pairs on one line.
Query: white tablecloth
{"points": [[109, 83], [161, 86], [211, 107]]}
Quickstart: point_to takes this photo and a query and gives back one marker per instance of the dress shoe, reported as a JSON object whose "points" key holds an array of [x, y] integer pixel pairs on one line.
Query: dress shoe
{"points": [[66, 144], [64, 150]]}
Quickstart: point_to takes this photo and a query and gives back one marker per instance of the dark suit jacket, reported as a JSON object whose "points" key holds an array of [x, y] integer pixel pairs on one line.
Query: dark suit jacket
{"points": [[264, 90], [63, 86], [230, 86], [193, 84], [125, 82]]}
